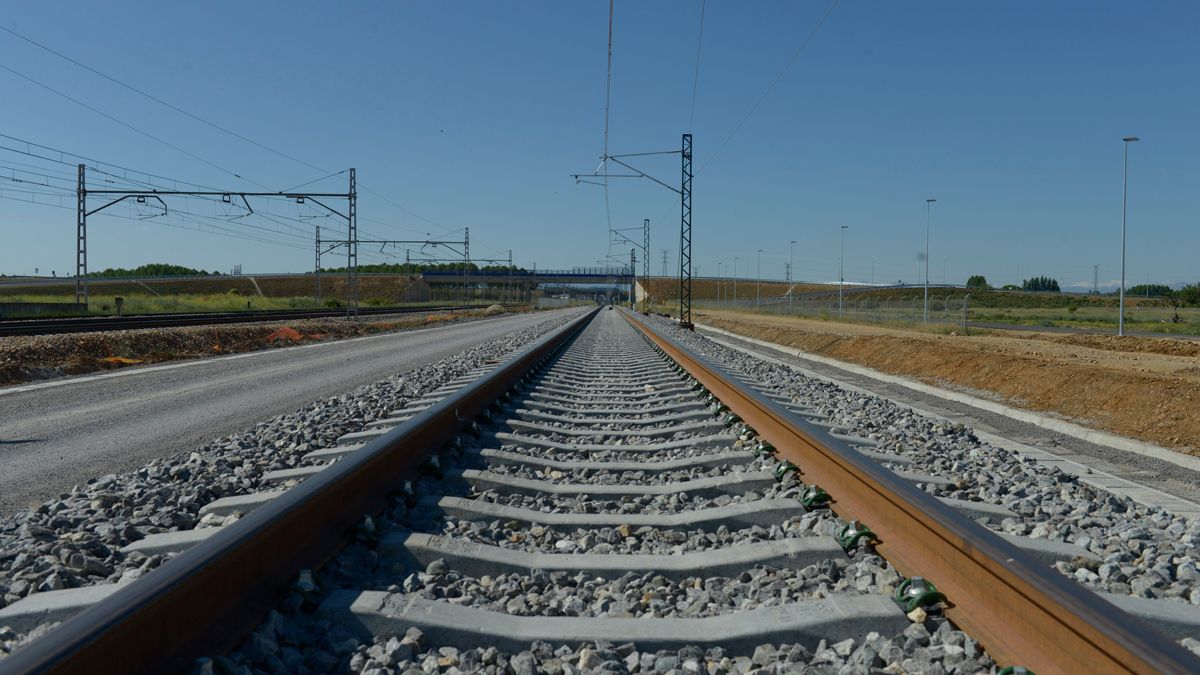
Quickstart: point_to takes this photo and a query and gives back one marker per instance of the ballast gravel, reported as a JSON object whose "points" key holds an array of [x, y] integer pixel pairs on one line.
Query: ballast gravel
{"points": [[648, 504], [650, 595], [75, 540], [604, 477], [1143, 550], [930, 645]]}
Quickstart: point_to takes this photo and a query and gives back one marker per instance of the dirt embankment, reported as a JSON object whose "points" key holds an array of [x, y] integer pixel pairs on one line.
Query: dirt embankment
{"points": [[1144, 388], [25, 358]]}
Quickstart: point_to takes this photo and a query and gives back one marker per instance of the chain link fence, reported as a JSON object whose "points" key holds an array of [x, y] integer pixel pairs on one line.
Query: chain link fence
{"points": [[950, 310]]}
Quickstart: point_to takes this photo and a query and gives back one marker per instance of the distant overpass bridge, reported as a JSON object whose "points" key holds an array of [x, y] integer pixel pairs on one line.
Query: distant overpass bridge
{"points": [[593, 276]]}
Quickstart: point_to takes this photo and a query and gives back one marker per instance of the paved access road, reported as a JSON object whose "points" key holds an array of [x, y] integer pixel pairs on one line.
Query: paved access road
{"points": [[58, 433]]}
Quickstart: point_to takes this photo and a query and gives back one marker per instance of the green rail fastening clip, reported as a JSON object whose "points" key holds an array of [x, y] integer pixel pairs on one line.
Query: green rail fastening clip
{"points": [[813, 496], [433, 466], [917, 592], [764, 449], [784, 468], [854, 532]]}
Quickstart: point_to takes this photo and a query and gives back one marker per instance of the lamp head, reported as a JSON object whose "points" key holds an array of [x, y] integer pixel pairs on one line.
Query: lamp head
{"points": [[1131, 139]]}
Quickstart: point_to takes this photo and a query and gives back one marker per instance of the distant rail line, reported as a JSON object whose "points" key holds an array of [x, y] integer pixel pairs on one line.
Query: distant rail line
{"points": [[108, 323]]}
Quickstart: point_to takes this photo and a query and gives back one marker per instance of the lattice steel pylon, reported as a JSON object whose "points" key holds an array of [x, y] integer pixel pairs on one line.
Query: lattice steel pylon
{"points": [[646, 248], [81, 289], [633, 278], [685, 236], [352, 248], [685, 227]]}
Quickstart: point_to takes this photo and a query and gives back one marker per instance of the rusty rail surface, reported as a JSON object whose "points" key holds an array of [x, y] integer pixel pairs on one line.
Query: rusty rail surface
{"points": [[206, 599], [1020, 609]]}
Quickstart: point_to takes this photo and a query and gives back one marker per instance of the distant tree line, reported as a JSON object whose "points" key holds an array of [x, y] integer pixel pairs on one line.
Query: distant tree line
{"points": [[1147, 290], [154, 270], [1042, 284], [1188, 296]]}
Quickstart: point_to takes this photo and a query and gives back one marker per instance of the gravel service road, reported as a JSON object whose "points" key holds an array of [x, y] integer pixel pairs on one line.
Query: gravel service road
{"points": [[58, 433]]}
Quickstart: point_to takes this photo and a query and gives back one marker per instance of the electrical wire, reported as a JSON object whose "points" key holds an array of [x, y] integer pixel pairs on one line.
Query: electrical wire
{"points": [[135, 183], [212, 124], [771, 87], [607, 106], [696, 76], [126, 124]]}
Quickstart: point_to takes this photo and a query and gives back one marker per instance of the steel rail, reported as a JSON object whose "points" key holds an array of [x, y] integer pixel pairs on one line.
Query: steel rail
{"points": [[10, 327], [1021, 610], [205, 600]]}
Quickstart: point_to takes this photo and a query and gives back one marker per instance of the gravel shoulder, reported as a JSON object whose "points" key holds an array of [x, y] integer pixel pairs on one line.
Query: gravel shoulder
{"points": [[1142, 388]]}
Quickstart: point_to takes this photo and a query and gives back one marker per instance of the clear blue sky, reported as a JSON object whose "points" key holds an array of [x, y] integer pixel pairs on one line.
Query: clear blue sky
{"points": [[474, 114]]}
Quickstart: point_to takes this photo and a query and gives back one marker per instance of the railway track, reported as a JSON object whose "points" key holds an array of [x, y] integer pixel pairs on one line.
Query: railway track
{"points": [[107, 323], [606, 499]]}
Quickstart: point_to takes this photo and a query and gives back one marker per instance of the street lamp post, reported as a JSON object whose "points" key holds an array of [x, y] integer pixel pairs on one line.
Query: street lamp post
{"points": [[1124, 205], [841, 263], [718, 281], [758, 281], [791, 273], [735, 295], [928, 220]]}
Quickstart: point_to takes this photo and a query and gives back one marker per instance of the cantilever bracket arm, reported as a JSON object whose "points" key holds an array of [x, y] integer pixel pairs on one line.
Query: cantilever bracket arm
{"points": [[643, 154], [117, 201], [635, 243], [249, 209], [643, 174], [333, 211]]}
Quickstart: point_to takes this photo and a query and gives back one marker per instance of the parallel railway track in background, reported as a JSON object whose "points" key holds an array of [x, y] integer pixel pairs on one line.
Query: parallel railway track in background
{"points": [[107, 323], [613, 454]]}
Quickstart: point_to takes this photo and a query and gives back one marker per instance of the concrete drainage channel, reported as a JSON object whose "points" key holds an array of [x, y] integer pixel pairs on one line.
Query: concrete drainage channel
{"points": [[599, 511]]}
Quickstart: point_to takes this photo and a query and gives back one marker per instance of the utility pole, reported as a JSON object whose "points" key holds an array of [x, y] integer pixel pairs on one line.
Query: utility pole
{"points": [[685, 211], [466, 265], [841, 274], [791, 259], [352, 247], [928, 221], [81, 289], [685, 235], [317, 264], [633, 278], [1096, 279], [646, 249], [1124, 204], [758, 281], [735, 262]]}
